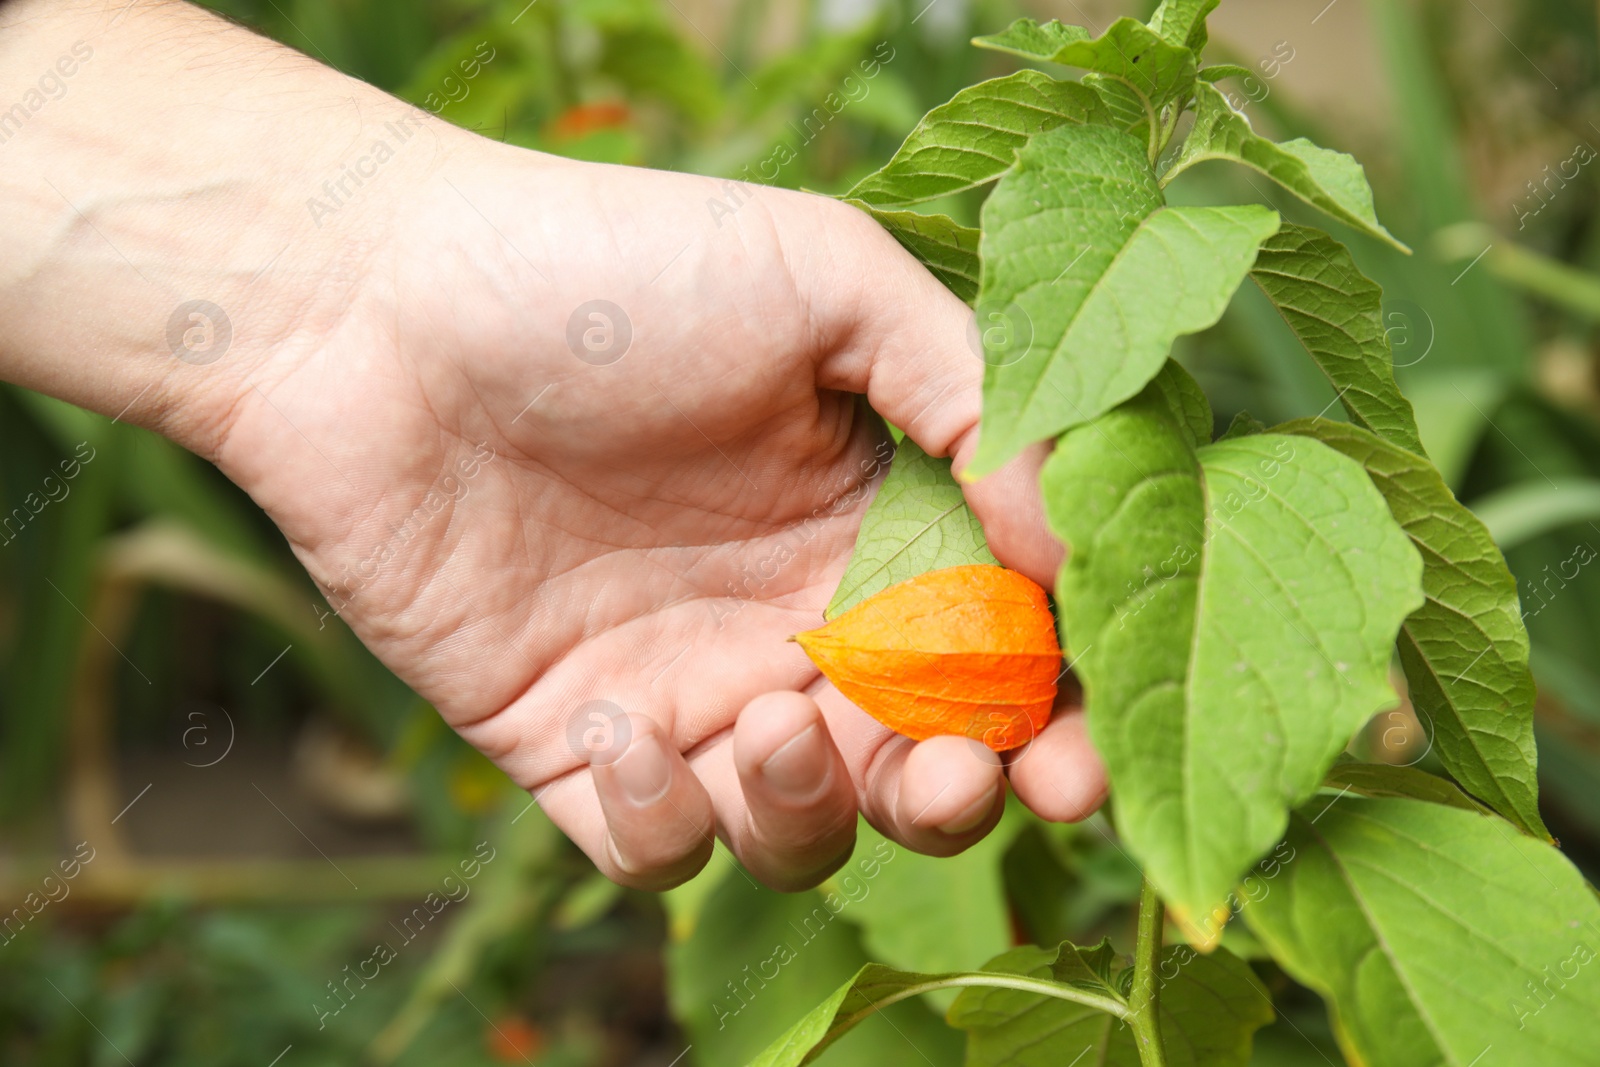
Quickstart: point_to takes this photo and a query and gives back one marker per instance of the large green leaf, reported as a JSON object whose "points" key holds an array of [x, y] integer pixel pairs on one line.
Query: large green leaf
{"points": [[933, 913], [1187, 402], [974, 138], [1465, 651], [1337, 313], [1034, 40], [1129, 51], [1079, 251], [1231, 609], [1183, 22], [1330, 181], [1440, 937], [1069, 974], [1384, 780], [918, 522], [753, 959], [1210, 1007], [948, 249]]}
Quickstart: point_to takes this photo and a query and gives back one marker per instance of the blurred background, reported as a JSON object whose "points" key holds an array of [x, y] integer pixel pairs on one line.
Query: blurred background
{"points": [[276, 850]]}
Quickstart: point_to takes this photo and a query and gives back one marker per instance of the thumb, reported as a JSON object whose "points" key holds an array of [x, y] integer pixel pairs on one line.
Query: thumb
{"points": [[912, 347]]}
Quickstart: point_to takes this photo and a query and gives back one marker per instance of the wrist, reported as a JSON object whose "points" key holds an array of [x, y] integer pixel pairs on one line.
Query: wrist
{"points": [[185, 208]]}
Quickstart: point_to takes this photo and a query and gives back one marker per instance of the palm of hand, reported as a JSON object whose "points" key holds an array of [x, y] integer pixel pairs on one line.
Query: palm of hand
{"points": [[524, 501]]}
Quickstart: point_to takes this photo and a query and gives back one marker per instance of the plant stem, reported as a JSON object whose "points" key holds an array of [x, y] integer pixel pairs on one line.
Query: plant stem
{"points": [[992, 979], [996, 980], [1144, 1013]]}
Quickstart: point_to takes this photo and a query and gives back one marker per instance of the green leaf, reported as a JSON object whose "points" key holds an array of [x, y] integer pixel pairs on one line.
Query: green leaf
{"points": [[1033, 40], [1080, 251], [948, 249], [1330, 181], [754, 958], [1337, 313], [1219, 71], [1382, 780], [875, 987], [1124, 104], [1438, 936], [1087, 969], [1520, 513], [1187, 402], [1210, 1007], [1183, 22], [1465, 651], [1244, 424], [974, 138], [1231, 610], [1129, 51], [918, 522], [932, 913]]}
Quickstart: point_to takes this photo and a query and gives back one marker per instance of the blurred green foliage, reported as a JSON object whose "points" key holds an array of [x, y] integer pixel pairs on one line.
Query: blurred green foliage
{"points": [[543, 961]]}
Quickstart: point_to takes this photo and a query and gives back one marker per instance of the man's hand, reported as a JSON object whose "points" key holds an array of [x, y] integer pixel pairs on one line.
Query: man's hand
{"points": [[570, 450]]}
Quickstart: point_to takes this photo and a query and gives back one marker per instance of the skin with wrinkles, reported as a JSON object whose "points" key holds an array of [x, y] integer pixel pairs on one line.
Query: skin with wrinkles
{"points": [[515, 530]]}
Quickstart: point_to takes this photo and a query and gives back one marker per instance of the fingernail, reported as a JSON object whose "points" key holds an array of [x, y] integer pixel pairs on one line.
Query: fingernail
{"points": [[644, 772], [974, 814], [800, 765]]}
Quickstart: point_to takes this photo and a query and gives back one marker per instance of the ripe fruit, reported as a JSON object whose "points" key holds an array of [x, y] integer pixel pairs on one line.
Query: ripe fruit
{"points": [[966, 650]]}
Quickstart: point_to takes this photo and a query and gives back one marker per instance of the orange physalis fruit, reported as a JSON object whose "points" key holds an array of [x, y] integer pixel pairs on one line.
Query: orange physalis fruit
{"points": [[969, 651], [513, 1039], [584, 119]]}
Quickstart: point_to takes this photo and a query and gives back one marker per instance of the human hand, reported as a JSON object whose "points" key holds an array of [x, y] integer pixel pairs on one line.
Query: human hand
{"points": [[520, 524]]}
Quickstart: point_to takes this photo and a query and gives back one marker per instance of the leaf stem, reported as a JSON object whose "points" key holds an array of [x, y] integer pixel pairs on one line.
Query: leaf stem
{"points": [[1152, 120], [998, 980], [1144, 1010], [1167, 131], [993, 979]]}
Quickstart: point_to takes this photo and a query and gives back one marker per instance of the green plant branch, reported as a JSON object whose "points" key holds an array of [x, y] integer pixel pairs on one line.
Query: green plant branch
{"points": [[1171, 127], [845, 1023], [1560, 283], [1144, 1013], [1043, 987]]}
